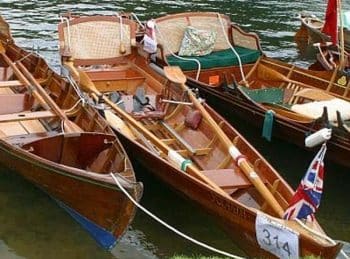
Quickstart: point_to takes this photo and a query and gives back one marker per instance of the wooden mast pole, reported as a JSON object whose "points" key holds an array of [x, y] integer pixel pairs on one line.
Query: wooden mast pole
{"points": [[341, 37]]}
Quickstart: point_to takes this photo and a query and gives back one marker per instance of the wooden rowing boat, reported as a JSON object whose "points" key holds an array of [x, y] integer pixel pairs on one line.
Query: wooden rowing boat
{"points": [[311, 31], [252, 92], [328, 56], [178, 138], [62, 146]]}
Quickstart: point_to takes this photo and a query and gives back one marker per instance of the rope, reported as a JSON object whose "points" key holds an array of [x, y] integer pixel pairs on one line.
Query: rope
{"points": [[121, 27], [74, 106], [232, 48], [23, 58], [321, 236], [170, 227], [137, 19], [182, 58], [65, 19], [62, 127], [76, 88]]}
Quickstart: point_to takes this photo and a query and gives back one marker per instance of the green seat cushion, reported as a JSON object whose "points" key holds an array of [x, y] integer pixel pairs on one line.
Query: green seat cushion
{"points": [[266, 95], [222, 58]]}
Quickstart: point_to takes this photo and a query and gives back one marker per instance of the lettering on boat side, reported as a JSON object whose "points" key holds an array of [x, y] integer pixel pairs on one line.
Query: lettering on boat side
{"points": [[230, 207], [276, 238]]}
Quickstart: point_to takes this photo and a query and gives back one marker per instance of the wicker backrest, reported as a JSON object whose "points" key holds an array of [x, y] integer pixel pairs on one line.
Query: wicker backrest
{"points": [[96, 39], [170, 29]]}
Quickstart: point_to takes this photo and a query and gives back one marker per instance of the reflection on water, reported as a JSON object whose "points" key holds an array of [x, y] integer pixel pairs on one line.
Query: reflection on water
{"points": [[33, 226]]}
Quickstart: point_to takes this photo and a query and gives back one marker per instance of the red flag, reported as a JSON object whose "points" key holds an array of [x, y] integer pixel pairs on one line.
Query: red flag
{"points": [[331, 24]]}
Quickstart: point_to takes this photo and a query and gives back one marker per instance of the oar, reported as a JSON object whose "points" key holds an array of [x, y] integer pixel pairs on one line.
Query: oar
{"points": [[39, 93], [176, 75], [21, 77], [87, 85]]}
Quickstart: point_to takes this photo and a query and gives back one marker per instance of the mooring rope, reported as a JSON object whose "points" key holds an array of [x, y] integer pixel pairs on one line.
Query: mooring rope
{"points": [[137, 19], [232, 48], [170, 227], [65, 19], [330, 240]]}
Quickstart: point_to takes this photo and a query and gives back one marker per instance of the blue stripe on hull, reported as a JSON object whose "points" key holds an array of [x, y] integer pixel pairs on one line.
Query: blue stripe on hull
{"points": [[103, 237]]}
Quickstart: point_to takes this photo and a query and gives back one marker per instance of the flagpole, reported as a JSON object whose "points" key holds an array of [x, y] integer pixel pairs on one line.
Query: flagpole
{"points": [[341, 37]]}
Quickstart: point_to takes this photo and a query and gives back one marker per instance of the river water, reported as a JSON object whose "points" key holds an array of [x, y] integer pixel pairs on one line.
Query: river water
{"points": [[33, 226]]}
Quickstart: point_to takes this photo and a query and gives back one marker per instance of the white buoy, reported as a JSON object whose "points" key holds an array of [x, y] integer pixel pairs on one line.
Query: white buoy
{"points": [[318, 137]]}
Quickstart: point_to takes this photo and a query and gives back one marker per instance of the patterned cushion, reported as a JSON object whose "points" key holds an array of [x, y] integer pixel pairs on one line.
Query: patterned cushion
{"points": [[197, 42]]}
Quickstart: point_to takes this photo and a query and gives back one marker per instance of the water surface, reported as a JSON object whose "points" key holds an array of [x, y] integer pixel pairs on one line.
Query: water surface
{"points": [[33, 226]]}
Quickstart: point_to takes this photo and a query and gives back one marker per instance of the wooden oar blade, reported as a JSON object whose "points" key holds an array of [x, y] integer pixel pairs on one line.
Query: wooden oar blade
{"points": [[72, 70], [175, 74], [87, 84], [118, 124], [71, 127], [80, 76], [2, 49]]}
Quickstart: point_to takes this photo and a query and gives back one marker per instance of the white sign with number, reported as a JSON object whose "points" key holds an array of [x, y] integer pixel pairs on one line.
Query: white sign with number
{"points": [[276, 238]]}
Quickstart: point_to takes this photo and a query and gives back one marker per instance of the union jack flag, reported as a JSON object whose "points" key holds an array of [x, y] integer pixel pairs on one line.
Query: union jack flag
{"points": [[307, 197]]}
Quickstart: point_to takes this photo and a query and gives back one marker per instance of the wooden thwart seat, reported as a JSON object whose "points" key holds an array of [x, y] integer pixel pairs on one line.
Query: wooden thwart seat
{"points": [[14, 128], [16, 83], [22, 116], [290, 90], [178, 137], [228, 178]]}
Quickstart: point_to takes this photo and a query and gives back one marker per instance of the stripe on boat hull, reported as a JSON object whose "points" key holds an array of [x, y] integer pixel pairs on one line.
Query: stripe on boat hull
{"points": [[104, 238]]}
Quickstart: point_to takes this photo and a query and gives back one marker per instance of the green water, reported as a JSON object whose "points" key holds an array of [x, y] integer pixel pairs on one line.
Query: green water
{"points": [[33, 226]]}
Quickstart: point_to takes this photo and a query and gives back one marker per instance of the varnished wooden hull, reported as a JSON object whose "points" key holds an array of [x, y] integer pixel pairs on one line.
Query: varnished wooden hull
{"points": [[236, 220], [184, 143], [284, 128], [93, 199], [96, 199], [313, 26]]}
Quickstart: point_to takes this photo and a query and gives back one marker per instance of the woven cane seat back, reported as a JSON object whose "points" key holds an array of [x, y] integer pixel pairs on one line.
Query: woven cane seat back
{"points": [[170, 29], [95, 39]]}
